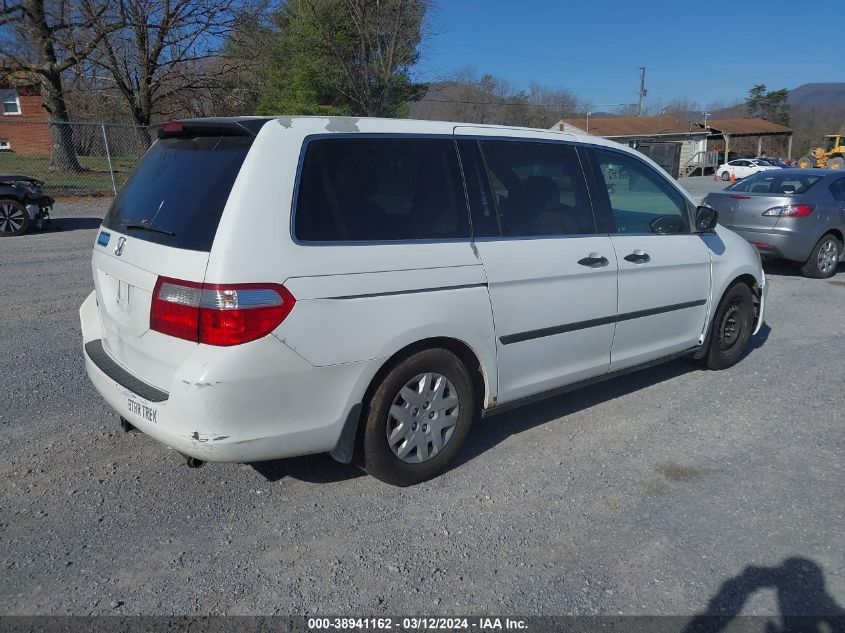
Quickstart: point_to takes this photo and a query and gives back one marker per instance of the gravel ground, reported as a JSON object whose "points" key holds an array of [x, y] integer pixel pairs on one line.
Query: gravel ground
{"points": [[642, 495]]}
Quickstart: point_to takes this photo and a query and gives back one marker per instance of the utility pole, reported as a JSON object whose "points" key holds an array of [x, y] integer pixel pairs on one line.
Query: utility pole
{"points": [[643, 91]]}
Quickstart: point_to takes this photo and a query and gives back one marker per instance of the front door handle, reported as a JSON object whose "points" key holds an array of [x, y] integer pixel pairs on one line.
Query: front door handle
{"points": [[594, 260], [638, 257]]}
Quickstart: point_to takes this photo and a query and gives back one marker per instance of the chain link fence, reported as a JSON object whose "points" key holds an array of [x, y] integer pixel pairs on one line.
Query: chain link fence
{"points": [[77, 159]]}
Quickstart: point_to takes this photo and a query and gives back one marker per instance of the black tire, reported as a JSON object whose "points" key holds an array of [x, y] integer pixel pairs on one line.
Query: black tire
{"points": [[375, 454], [806, 162], [725, 176], [819, 266], [731, 328], [836, 162], [14, 218]]}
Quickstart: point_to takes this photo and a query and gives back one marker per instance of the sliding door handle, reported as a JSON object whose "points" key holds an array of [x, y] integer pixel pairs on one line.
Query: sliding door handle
{"points": [[594, 260], [638, 257]]}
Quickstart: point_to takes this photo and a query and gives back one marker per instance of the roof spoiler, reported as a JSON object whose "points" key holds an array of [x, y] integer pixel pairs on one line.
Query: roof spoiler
{"points": [[190, 128]]}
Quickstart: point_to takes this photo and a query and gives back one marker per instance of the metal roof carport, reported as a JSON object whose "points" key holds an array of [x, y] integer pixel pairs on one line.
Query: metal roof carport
{"points": [[742, 128]]}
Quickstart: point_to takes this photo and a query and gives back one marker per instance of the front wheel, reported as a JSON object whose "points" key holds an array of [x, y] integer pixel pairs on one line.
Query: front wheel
{"points": [[806, 162], [725, 176], [731, 328], [417, 418], [14, 218], [824, 259]]}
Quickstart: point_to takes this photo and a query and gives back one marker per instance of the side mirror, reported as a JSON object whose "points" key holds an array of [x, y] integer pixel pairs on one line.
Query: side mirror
{"points": [[705, 219]]}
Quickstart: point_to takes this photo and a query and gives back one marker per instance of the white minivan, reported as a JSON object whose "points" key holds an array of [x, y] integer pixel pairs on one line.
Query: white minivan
{"points": [[272, 287]]}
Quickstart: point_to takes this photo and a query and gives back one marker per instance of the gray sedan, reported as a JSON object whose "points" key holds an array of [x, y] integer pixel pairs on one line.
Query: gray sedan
{"points": [[794, 214]]}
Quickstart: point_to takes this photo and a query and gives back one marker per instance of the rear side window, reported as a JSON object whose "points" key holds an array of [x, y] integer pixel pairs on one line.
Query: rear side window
{"points": [[378, 189], [538, 188], [838, 189], [177, 193]]}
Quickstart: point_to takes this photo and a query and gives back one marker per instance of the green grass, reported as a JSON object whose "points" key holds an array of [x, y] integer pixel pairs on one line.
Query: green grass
{"points": [[94, 181]]}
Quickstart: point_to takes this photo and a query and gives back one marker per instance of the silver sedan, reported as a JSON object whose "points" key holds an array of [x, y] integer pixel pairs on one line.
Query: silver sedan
{"points": [[793, 214]]}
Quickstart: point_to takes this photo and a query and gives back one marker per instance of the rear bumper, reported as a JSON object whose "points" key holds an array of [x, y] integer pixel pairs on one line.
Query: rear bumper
{"points": [[246, 403], [782, 244]]}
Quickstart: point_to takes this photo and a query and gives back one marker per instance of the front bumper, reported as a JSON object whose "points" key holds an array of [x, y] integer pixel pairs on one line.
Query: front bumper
{"points": [[245, 403], [761, 314]]}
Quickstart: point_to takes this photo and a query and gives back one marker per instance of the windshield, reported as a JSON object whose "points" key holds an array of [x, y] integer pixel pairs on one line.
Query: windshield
{"points": [[176, 195], [776, 183], [829, 143]]}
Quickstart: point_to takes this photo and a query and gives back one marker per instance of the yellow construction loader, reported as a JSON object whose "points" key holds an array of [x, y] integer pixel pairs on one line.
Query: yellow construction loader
{"points": [[832, 155]]}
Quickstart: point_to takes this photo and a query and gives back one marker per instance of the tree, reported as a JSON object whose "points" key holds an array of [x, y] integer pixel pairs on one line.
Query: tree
{"points": [[345, 57], [755, 99], [771, 105], [164, 50], [465, 96], [43, 40]]}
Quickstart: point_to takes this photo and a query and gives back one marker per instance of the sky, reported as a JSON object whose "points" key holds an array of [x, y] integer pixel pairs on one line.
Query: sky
{"points": [[709, 51]]}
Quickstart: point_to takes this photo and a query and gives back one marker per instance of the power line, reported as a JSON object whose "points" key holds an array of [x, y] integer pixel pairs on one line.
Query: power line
{"points": [[517, 103]]}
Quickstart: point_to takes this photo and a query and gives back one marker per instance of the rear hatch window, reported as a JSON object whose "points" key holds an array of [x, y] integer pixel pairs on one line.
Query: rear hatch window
{"points": [[777, 184], [176, 195]]}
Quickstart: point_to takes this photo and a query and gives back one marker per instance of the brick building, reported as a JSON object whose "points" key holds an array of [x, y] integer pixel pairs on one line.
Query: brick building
{"points": [[23, 120]]}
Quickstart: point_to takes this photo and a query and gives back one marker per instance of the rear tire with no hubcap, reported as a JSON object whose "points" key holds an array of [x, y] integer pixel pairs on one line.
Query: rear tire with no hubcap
{"points": [[417, 418], [731, 328], [14, 218], [824, 259]]}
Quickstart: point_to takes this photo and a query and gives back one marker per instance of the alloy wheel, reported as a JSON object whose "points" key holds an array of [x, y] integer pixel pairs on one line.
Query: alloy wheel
{"points": [[11, 217], [828, 256]]}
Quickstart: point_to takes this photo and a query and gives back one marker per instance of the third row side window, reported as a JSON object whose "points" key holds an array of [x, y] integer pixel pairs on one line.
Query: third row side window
{"points": [[376, 189]]}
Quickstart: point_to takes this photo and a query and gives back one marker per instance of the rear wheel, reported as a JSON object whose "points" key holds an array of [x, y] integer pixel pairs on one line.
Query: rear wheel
{"points": [[731, 328], [417, 418], [824, 259], [14, 218], [836, 163], [725, 176], [806, 162]]}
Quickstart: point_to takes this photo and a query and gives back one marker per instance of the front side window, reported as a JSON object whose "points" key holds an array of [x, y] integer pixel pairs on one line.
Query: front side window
{"points": [[380, 189], [537, 188], [641, 199], [11, 105]]}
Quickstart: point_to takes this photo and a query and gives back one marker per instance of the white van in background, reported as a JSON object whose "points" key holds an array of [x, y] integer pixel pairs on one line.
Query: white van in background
{"points": [[272, 287]]}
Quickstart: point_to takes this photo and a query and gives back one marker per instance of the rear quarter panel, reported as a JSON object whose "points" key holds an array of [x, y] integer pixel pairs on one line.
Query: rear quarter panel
{"points": [[355, 302]]}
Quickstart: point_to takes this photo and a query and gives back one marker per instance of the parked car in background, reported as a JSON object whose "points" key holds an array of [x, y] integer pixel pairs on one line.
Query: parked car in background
{"points": [[23, 204], [742, 168], [273, 287], [777, 162], [794, 214]]}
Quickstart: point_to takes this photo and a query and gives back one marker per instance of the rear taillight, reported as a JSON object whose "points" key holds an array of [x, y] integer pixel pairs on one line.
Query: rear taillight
{"points": [[218, 314], [791, 211]]}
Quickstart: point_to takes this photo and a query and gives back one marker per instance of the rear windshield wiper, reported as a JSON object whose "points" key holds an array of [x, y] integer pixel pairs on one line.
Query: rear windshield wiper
{"points": [[146, 227]]}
